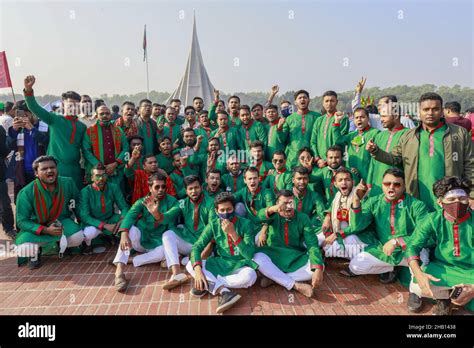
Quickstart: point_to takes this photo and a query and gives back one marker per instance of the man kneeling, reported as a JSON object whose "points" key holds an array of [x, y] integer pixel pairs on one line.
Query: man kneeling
{"points": [[292, 255], [232, 266]]}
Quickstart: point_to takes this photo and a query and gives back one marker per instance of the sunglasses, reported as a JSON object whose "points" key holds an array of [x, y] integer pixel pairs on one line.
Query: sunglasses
{"points": [[395, 184], [278, 161], [100, 176]]}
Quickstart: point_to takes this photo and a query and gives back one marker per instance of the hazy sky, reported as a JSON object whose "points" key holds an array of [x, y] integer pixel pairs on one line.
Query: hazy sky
{"points": [[95, 47]]}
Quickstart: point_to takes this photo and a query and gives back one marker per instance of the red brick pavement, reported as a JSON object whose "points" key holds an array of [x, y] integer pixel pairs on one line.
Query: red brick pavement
{"points": [[83, 285]]}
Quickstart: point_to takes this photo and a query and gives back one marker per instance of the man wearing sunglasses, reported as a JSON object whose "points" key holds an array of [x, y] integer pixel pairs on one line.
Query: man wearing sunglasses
{"points": [[278, 178], [97, 207], [107, 144], [452, 230], [394, 215]]}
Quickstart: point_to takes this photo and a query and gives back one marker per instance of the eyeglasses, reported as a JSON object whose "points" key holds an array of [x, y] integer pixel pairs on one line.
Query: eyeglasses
{"points": [[278, 161], [395, 184]]}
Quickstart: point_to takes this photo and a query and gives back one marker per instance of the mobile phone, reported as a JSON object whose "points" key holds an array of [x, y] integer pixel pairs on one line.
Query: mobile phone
{"points": [[455, 292], [186, 152], [210, 286]]}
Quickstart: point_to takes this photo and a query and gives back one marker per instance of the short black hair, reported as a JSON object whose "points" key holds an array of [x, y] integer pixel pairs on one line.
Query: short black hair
{"points": [[301, 91], [334, 148], [431, 96], [163, 138], [8, 106], [330, 94], [232, 97], [156, 177], [273, 107], [148, 156], [245, 107], [222, 112], [454, 106], [189, 107], [470, 110], [135, 137], [148, 101], [42, 159], [279, 152], [251, 169], [21, 105], [198, 98], [188, 129], [98, 166], [213, 171], [115, 108], [342, 170], [71, 95], [361, 108], [129, 103], [390, 97], [300, 169], [188, 180], [257, 143], [206, 112], [284, 193], [372, 109], [176, 100], [305, 149], [396, 172], [256, 106], [224, 197], [448, 183], [98, 103]]}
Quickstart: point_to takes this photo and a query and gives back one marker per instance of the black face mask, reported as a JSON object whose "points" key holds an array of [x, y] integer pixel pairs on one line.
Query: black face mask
{"points": [[456, 209]]}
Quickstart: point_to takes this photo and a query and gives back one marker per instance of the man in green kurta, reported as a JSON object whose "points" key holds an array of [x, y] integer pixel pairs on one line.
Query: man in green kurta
{"points": [[212, 159], [291, 255], [106, 144], [97, 207], [250, 130], [274, 144], [43, 212], [451, 228], [231, 266], [324, 135], [295, 131], [280, 177], [251, 198], [165, 157], [393, 215], [66, 133], [357, 156], [195, 209], [170, 128], [257, 155], [430, 151], [233, 181], [147, 127], [228, 136], [386, 140], [142, 231], [212, 186]]}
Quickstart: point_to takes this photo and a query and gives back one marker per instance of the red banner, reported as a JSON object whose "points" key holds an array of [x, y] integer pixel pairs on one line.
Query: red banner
{"points": [[5, 80]]}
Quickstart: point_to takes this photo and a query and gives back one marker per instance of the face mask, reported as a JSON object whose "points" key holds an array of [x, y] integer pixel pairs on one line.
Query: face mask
{"points": [[226, 216], [456, 209], [285, 112]]}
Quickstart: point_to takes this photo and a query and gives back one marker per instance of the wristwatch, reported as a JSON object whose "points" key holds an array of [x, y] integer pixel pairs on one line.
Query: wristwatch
{"points": [[394, 241]]}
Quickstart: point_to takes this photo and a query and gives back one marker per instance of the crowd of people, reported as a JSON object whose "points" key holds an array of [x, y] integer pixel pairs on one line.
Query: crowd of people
{"points": [[235, 190]]}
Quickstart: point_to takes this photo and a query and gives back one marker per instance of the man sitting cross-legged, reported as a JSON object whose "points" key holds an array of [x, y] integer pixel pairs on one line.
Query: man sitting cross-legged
{"points": [[292, 255], [232, 265], [43, 212], [141, 229]]}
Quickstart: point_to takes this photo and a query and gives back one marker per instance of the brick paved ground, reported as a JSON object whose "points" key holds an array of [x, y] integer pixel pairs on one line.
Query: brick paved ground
{"points": [[83, 285]]}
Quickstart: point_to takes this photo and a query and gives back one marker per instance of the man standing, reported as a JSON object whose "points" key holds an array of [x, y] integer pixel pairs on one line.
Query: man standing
{"points": [[105, 143], [434, 148], [147, 128], [169, 128], [452, 112], [127, 122], [66, 132], [295, 131], [97, 204], [43, 212], [273, 144], [233, 180], [250, 130], [227, 136], [231, 266], [291, 255]]}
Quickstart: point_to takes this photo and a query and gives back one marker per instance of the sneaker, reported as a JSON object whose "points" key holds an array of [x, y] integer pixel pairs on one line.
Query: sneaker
{"points": [[389, 277], [226, 300], [346, 272], [35, 262], [12, 234], [197, 293], [415, 303], [442, 307], [87, 249]]}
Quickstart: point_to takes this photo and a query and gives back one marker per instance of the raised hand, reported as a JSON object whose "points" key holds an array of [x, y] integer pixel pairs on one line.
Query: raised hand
{"points": [[360, 85], [338, 116], [281, 122], [371, 146], [137, 152], [29, 82], [275, 89], [216, 94], [151, 204], [361, 189]]}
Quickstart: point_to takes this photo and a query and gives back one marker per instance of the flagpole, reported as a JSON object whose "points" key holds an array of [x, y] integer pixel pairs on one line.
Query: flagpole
{"points": [[145, 56], [13, 93]]}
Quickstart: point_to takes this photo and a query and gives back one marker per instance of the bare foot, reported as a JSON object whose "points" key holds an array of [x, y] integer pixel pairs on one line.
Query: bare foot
{"points": [[304, 289]]}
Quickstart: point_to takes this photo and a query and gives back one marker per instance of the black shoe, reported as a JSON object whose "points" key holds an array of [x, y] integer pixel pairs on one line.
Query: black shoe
{"points": [[35, 262], [442, 307], [226, 301], [415, 303], [197, 293], [346, 272], [87, 249], [389, 277], [12, 234]]}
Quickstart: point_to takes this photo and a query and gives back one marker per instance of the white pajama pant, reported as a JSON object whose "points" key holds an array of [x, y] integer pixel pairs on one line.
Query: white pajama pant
{"points": [[149, 255], [242, 278], [352, 247], [287, 280], [173, 246], [366, 263], [91, 232], [32, 249]]}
